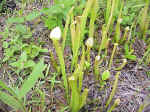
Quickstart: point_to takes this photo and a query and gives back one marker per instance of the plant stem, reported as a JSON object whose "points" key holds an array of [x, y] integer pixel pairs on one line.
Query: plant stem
{"points": [[112, 56], [54, 62], [113, 90], [97, 62], [66, 28], [117, 101], [88, 54], [122, 65], [125, 35], [93, 17], [62, 63]]}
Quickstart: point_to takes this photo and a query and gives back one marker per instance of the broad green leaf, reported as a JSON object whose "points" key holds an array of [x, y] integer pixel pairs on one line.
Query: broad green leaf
{"points": [[105, 75], [29, 63], [27, 48], [21, 28], [15, 20], [131, 57], [35, 52], [55, 9], [23, 57], [50, 22], [32, 79], [16, 64], [10, 100], [32, 15], [20, 63]]}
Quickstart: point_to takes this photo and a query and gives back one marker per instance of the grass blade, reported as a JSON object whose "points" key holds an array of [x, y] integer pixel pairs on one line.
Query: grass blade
{"points": [[10, 100], [30, 82]]}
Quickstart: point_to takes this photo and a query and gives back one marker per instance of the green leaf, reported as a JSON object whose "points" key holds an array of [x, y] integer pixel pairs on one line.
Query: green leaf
{"points": [[21, 28], [50, 22], [102, 83], [104, 44], [16, 64], [131, 57], [20, 63], [10, 100], [5, 44], [29, 63], [83, 97], [32, 79], [35, 51], [126, 49], [15, 20], [105, 75], [29, 35], [27, 48], [32, 15], [87, 64], [4, 86], [55, 9], [148, 32], [43, 50], [23, 57], [9, 53]]}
